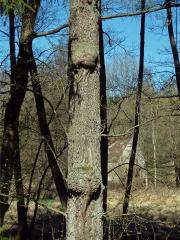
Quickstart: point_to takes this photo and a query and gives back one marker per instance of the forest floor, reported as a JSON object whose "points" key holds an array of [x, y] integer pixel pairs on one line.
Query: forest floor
{"points": [[154, 213]]}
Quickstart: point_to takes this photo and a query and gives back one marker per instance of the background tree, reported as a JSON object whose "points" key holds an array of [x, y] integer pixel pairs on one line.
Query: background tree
{"points": [[137, 112]]}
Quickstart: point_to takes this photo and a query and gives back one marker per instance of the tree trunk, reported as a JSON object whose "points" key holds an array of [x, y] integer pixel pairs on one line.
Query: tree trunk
{"points": [[57, 174], [85, 199], [173, 46], [177, 171], [137, 114], [10, 153], [21, 208]]}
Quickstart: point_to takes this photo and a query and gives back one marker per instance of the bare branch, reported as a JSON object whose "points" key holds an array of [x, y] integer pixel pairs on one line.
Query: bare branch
{"points": [[145, 169], [5, 92], [50, 32], [148, 10], [129, 131], [7, 35]]}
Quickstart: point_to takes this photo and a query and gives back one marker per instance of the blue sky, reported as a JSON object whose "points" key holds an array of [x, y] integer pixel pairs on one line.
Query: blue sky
{"points": [[126, 29], [129, 29], [157, 47]]}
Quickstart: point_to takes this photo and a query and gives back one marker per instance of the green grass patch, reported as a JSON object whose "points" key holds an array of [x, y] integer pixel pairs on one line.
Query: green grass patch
{"points": [[4, 228], [47, 202]]}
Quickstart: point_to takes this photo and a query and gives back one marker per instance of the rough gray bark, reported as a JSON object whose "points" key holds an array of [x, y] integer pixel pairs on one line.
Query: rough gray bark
{"points": [[85, 200]]}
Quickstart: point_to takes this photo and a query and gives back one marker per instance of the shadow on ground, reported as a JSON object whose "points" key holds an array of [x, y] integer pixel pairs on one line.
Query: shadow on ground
{"points": [[47, 227], [50, 227], [140, 228]]}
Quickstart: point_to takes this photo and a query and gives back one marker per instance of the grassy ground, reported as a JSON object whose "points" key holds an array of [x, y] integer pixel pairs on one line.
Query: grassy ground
{"points": [[160, 203]]}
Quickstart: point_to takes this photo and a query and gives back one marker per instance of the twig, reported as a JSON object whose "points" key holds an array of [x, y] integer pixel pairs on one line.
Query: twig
{"points": [[52, 209]]}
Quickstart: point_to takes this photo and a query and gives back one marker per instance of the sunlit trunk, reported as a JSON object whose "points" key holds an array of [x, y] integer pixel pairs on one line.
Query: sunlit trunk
{"points": [[85, 202]]}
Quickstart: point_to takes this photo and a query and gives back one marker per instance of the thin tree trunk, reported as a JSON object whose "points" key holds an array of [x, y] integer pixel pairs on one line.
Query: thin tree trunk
{"points": [[104, 130], [57, 174], [85, 199], [21, 208], [177, 70], [154, 153], [137, 114], [154, 149], [173, 46]]}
